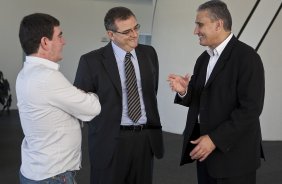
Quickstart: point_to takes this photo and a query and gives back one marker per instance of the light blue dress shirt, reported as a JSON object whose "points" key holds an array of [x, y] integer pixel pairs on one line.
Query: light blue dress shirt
{"points": [[120, 55]]}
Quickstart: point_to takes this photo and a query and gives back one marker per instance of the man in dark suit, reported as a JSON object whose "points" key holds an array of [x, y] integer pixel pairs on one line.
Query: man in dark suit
{"points": [[122, 141], [225, 98]]}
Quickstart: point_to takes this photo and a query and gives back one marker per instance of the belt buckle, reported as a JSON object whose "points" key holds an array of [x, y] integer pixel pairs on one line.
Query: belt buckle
{"points": [[137, 128]]}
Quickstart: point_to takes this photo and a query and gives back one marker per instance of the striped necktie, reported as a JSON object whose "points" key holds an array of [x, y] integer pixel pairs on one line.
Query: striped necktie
{"points": [[133, 99]]}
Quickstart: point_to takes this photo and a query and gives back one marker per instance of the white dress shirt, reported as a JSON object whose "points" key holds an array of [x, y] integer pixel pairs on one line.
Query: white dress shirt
{"points": [[214, 55], [120, 55], [49, 106]]}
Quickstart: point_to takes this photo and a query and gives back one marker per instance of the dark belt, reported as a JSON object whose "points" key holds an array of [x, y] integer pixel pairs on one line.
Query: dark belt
{"points": [[138, 128]]}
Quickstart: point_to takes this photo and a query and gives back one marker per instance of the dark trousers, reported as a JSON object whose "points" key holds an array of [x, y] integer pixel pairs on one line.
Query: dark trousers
{"points": [[132, 162], [205, 178]]}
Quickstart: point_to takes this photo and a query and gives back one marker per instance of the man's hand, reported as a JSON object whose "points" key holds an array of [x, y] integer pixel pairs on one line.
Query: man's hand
{"points": [[204, 146], [179, 83]]}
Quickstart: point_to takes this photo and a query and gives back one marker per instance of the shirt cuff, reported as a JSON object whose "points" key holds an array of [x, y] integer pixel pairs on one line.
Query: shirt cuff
{"points": [[182, 96]]}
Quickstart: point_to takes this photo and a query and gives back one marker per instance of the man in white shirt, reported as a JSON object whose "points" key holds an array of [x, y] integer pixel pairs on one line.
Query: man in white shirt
{"points": [[49, 106]]}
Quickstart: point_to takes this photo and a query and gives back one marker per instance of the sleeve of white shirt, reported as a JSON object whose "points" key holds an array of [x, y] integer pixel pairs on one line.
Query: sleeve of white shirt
{"points": [[62, 94]]}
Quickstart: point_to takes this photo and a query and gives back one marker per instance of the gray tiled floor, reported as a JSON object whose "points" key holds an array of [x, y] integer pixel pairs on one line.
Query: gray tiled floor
{"points": [[167, 170]]}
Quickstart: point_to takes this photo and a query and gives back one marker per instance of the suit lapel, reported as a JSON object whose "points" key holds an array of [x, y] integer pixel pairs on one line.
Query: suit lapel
{"points": [[144, 68], [223, 58], [203, 72], [112, 68]]}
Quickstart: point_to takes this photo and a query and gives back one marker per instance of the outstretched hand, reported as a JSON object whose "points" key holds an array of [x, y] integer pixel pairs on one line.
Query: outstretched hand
{"points": [[178, 83]]}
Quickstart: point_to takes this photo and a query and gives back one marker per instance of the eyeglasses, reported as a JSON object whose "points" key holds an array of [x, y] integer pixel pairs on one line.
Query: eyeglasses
{"points": [[129, 31]]}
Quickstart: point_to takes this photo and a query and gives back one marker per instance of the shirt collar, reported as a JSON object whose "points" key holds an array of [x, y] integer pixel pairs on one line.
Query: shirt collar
{"points": [[218, 50], [42, 61], [121, 53]]}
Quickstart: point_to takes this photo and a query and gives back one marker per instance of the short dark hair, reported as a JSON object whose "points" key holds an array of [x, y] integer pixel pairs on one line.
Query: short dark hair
{"points": [[218, 10], [116, 13], [33, 27]]}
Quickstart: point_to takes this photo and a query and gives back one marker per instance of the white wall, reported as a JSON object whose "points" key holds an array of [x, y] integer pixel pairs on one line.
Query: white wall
{"points": [[178, 50], [270, 51], [177, 47], [81, 22]]}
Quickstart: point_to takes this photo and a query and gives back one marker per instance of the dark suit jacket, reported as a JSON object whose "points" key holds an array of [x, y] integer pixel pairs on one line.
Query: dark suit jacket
{"points": [[229, 106], [98, 72]]}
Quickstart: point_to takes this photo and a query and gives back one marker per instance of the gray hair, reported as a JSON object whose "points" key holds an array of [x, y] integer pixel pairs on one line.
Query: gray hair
{"points": [[218, 10]]}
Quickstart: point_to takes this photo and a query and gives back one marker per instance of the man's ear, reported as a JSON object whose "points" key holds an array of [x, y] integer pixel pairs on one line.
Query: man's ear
{"points": [[44, 43], [219, 25], [110, 35]]}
